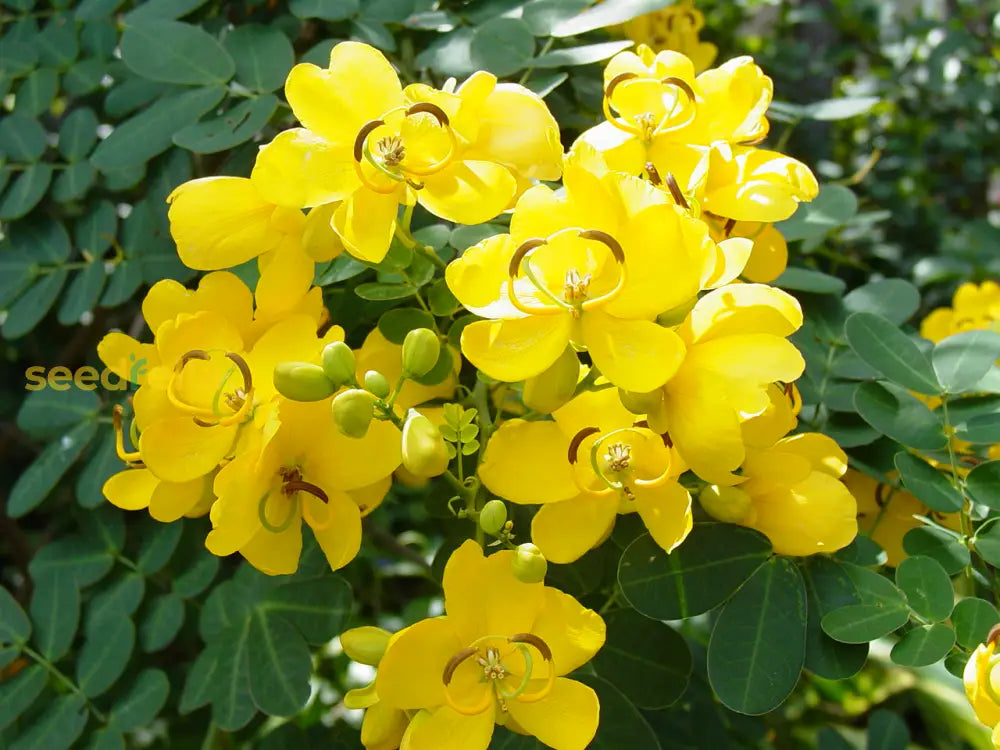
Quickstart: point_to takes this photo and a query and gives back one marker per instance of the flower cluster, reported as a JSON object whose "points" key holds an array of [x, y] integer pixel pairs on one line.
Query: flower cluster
{"points": [[676, 28]]}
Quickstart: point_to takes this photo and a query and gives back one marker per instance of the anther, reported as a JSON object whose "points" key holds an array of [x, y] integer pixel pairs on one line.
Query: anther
{"points": [[653, 174], [359, 141], [432, 109], [676, 192], [620, 78], [880, 499], [188, 356], [455, 662], [605, 239], [533, 640], [727, 229], [574, 444], [994, 634], [244, 370], [297, 485], [526, 247], [619, 456], [679, 83]]}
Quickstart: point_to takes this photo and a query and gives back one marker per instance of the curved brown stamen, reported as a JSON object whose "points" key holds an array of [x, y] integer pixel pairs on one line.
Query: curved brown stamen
{"points": [[432, 109], [665, 437], [533, 640], [727, 228], [244, 370], [203, 423], [526, 247], [578, 438], [605, 239], [359, 141], [414, 184], [971, 460], [676, 192], [994, 634], [679, 83], [687, 15], [455, 662], [620, 78], [188, 356], [754, 141], [298, 485], [880, 499], [654, 175]]}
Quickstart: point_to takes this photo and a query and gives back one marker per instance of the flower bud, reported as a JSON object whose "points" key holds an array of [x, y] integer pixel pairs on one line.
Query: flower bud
{"points": [[552, 388], [529, 564], [365, 645], [377, 384], [640, 403], [353, 411], [493, 516], [421, 349], [726, 504], [424, 450], [301, 381], [338, 362]]}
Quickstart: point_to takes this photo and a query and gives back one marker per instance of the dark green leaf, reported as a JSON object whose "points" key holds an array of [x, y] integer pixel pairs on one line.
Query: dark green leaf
{"points": [[83, 293], [927, 587], [983, 484], [106, 739], [104, 656], [621, 725], [828, 587], [542, 16], [962, 360], [973, 618], [232, 707], [141, 702], [373, 33], [169, 9], [236, 126], [987, 542], [22, 138], [860, 623], [55, 729], [158, 546], [929, 485], [161, 623], [175, 52], [201, 679], [49, 412], [757, 648], [317, 608], [583, 55], [57, 44], [328, 10], [74, 182], [395, 324], [696, 576], [31, 307], [939, 545], [101, 466], [449, 54], [832, 208], [894, 299], [84, 76], [83, 560], [881, 344], [19, 692], [39, 479], [899, 415], [279, 665], [378, 292], [924, 645], [502, 46], [887, 731], [15, 627], [121, 598], [263, 56], [25, 192], [93, 10], [983, 429], [17, 58], [442, 302], [37, 92], [95, 231], [808, 280], [55, 611], [196, 576]]}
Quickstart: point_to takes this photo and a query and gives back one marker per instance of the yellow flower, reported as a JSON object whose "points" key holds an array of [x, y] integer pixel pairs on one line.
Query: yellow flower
{"points": [[371, 145], [973, 308], [982, 684], [593, 268], [497, 656], [675, 28], [383, 726], [769, 256], [736, 348], [584, 468], [792, 495]]}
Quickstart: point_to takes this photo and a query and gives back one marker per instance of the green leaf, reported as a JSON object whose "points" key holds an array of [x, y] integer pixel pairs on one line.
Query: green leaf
{"points": [[621, 725], [463, 238], [104, 656], [983, 484], [57, 728], [279, 665], [584, 55], [17, 58], [328, 10], [396, 323], [197, 576], [120, 598], [201, 679], [15, 627], [441, 301], [378, 292], [983, 429], [263, 56], [444, 367], [94, 10], [757, 648], [832, 208], [607, 13], [840, 109], [373, 33], [317, 608], [84, 76], [22, 138], [449, 54], [645, 659], [150, 132], [542, 16], [175, 52], [696, 576], [31, 307], [26, 191], [82, 560], [102, 464], [962, 360], [232, 706], [939, 545], [96, 230], [929, 485], [900, 416], [158, 546], [829, 587], [169, 9], [887, 731], [502, 46], [45, 241], [808, 280], [987, 542], [236, 126], [17, 693], [973, 619], [161, 623], [55, 611], [57, 44], [35, 95], [83, 293], [141, 702], [881, 344], [74, 182], [44, 473], [895, 300], [861, 623], [48, 412], [924, 645], [927, 587], [106, 739]]}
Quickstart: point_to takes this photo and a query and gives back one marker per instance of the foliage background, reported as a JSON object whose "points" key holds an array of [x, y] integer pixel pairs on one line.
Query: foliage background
{"points": [[140, 638]]}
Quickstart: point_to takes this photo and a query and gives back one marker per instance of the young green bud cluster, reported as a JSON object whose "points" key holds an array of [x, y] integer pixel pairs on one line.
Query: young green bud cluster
{"points": [[301, 381], [493, 516], [353, 411], [421, 349], [339, 363], [529, 564]]}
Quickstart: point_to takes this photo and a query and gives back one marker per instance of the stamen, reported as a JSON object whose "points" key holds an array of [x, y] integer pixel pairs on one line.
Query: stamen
{"points": [[266, 523], [575, 286], [606, 239], [653, 174], [188, 356], [676, 192], [244, 370], [391, 149], [727, 229], [514, 267], [455, 662], [533, 640], [880, 499], [431, 109], [619, 456], [681, 84], [578, 438], [620, 78], [297, 485], [359, 140], [994, 634], [116, 420]]}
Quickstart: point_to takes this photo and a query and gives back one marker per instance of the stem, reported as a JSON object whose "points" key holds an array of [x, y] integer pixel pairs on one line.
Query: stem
{"points": [[55, 672], [966, 503], [545, 48], [404, 235]]}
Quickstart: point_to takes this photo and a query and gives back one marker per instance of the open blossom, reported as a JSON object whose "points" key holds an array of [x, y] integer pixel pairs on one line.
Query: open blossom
{"points": [[497, 656], [973, 307], [982, 684]]}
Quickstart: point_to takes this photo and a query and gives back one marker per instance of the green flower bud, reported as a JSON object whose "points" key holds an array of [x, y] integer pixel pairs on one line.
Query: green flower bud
{"points": [[640, 403], [301, 381], [421, 349], [353, 411], [338, 363], [365, 645], [726, 504], [493, 516], [552, 388], [529, 564], [377, 384], [424, 450]]}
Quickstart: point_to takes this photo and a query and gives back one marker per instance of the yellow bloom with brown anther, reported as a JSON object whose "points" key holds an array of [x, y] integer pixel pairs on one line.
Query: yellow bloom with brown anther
{"points": [[497, 656], [981, 679], [736, 345], [792, 494], [591, 463], [371, 146], [973, 307], [675, 28]]}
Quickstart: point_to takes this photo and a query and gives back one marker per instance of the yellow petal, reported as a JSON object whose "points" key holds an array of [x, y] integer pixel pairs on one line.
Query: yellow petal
{"points": [[468, 192], [623, 152], [365, 223], [769, 256], [602, 409], [276, 553], [383, 727], [512, 350], [339, 526], [474, 609], [566, 719], [733, 255], [235, 514], [744, 308], [126, 357], [368, 498], [285, 277], [445, 729], [822, 451], [409, 674], [573, 632], [172, 500], [526, 462], [566, 531], [666, 511], [130, 489], [319, 241], [299, 169], [221, 292], [637, 355], [179, 450], [478, 277]]}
